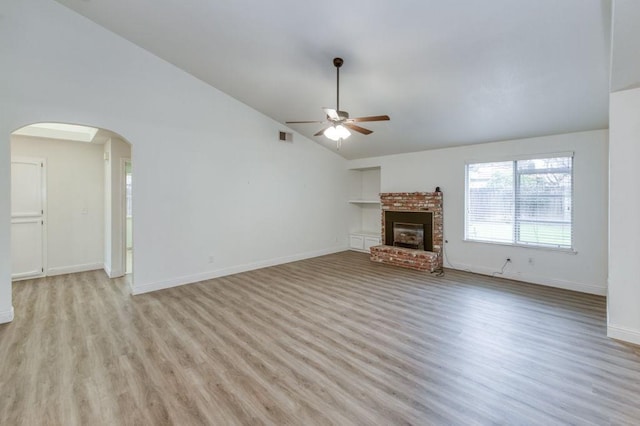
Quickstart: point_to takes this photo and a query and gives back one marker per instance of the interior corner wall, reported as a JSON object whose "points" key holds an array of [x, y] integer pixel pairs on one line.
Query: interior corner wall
{"points": [[74, 192], [585, 271], [6, 308], [115, 151], [215, 192], [623, 301]]}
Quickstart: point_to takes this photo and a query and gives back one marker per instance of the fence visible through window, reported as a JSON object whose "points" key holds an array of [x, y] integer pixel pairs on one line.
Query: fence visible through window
{"points": [[526, 202]]}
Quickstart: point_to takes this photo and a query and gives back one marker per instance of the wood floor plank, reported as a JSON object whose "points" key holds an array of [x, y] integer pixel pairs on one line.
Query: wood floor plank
{"points": [[330, 340]]}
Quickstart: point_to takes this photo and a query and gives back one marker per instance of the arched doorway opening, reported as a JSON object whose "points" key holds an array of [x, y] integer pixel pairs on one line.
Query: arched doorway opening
{"points": [[70, 201]]}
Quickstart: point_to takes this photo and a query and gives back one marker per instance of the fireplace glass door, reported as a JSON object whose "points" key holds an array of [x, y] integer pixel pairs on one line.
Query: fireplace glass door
{"points": [[408, 235]]}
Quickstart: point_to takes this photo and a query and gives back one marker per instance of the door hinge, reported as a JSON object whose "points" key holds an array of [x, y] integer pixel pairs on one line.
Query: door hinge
{"points": [[41, 164], [42, 221], [42, 269]]}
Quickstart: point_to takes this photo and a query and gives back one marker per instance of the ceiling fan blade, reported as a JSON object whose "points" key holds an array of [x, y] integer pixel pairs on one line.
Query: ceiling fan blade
{"points": [[302, 122], [331, 113], [321, 131], [358, 128], [371, 118]]}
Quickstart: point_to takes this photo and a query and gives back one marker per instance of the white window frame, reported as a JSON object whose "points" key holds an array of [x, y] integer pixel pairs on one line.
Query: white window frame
{"points": [[514, 160]]}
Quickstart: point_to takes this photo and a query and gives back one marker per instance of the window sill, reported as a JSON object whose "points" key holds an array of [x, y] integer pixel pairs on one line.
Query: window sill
{"points": [[525, 246]]}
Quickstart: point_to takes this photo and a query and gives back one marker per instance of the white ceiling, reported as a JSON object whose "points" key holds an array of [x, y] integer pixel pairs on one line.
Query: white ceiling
{"points": [[67, 132], [448, 73], [64, 131]]}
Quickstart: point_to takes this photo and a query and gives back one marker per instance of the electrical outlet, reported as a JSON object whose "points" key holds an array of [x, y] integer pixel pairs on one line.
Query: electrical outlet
{"points": [[531, 262], [211, 259]]}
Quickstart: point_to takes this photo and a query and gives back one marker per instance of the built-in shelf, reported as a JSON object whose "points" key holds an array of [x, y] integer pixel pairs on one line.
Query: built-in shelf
{"points": [[364, 201], [365, 213]]}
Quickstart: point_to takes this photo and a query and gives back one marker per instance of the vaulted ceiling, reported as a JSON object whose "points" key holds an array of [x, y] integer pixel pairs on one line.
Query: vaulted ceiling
{"points": [[448, 73]]}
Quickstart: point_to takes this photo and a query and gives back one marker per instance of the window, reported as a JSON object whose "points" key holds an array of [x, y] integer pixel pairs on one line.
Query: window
{"points": [[128, 194], [522, 202]]}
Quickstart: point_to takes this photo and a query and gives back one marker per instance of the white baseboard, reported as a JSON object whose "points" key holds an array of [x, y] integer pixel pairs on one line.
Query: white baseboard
{"points": [[6, 316], [26, 277], [623, 333], [111, 273], [61, 270], [536, 279], [116, 273], [190, 279]]}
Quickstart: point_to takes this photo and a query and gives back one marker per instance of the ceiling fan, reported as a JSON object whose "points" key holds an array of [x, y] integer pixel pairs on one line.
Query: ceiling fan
{"points": [[338, 121]]}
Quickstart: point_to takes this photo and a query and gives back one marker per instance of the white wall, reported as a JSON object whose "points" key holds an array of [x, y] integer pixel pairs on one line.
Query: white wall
{"points": [[115, 150], [585, 271], [625, 45], [75, 187], [624, 216], [211, 178]]}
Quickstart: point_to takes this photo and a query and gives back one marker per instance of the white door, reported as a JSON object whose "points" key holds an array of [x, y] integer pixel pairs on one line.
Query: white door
{"points": [[27, 217]]}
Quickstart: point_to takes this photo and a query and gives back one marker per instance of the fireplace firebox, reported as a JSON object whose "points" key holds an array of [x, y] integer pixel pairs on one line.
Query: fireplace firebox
{"points": [[408, 235], [408, 229]]}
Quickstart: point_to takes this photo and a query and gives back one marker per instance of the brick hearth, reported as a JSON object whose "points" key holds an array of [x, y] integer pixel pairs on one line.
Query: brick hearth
{"points": [[405, 257]]}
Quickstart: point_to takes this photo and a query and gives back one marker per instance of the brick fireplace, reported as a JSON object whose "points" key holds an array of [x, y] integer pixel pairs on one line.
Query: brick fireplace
{"points": [[412, 230]]}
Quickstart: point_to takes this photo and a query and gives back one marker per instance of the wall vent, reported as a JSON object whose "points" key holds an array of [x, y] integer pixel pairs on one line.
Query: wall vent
{"points": [[285, 137]]}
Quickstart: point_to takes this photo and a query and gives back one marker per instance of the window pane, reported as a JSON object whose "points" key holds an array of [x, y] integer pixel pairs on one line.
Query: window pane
{"points": [[490, 201], [543, 202], [551, 234]]}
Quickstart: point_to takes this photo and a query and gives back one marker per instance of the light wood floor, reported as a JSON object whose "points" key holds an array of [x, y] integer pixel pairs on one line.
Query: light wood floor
{"points": [[331, 340]]}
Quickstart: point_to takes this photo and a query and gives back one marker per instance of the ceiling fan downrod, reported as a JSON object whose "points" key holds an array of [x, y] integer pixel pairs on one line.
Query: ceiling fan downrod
{"points": [[337, 62]]}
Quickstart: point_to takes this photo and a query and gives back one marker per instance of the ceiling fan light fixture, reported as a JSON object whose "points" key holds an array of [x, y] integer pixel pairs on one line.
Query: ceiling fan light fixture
{"points": [[336, 133]]}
